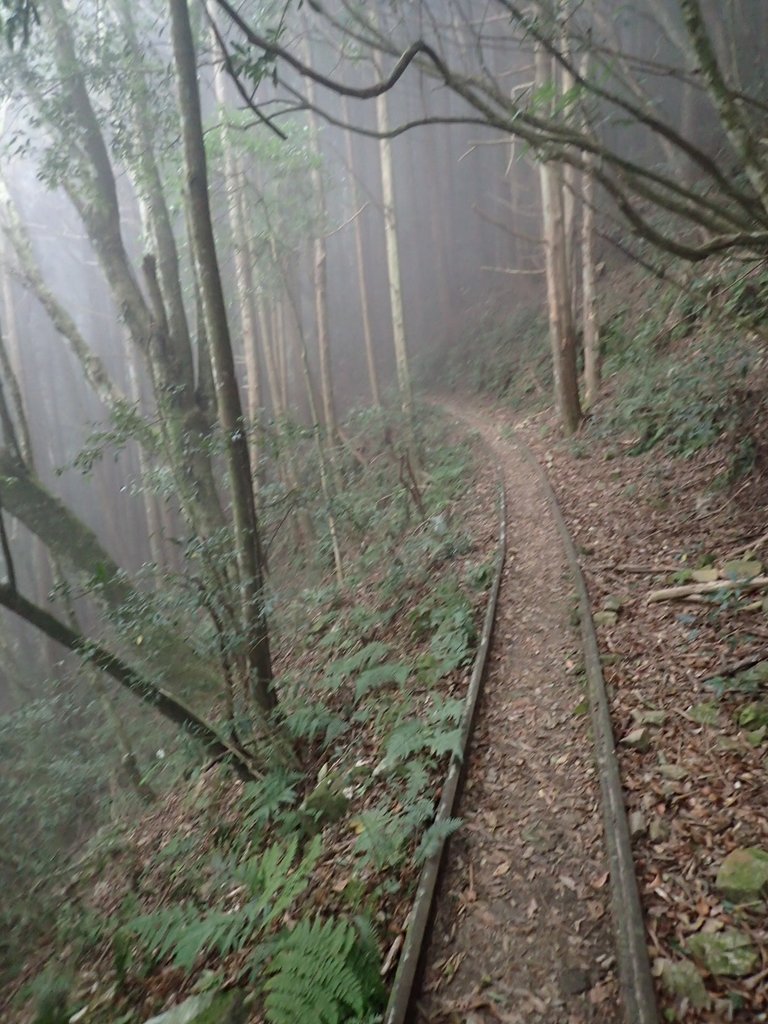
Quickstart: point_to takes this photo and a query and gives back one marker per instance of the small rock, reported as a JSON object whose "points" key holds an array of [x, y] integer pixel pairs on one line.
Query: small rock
{"points": [[573, 981], [605, 618], [637, 825], [681, 979], [756, 736], [208, 1008], [659, 830], [729, 953], [742, 569], [611, 603], [743, 875], [674, 772], [324, 805], [704, 713], [754, 716], [705, 575], [638, 739], [649, 716]]}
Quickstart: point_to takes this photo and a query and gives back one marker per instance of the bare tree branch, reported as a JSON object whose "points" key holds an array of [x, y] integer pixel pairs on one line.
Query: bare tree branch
{"points": [[145, 690]]}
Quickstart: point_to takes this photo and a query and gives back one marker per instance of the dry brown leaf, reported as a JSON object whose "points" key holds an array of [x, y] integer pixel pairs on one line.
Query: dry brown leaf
{"points": [[599, 993]]}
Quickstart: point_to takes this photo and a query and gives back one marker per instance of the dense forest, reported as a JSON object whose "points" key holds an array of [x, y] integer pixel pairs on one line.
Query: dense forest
{"points": [[296, 301]]}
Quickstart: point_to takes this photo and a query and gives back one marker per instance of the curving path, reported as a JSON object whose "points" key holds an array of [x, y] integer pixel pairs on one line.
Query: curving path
{"points": [[523, 929]]}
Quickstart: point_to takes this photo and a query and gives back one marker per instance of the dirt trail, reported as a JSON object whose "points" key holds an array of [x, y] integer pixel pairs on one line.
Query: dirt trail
{"points": [[523, 930]]}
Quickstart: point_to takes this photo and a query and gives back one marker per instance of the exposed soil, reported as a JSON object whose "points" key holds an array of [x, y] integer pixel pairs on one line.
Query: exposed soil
{"points": [[522, 932]]}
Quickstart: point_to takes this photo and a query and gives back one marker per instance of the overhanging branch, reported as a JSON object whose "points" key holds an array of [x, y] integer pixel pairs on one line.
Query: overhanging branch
{"points": [[147, 692]]}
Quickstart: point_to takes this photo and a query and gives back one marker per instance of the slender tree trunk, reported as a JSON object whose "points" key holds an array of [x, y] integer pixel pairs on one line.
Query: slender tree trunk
{"points": [[95, 198], [736, 125], [320, 265], [590, 321], [559, 302], [591, 325], [570, 185], [304, 523], [322, 458], [10, 367], [233, 184], [247, 541], [393, 263], [365, 313], [250, 319], [149, 498], [149, 187]]}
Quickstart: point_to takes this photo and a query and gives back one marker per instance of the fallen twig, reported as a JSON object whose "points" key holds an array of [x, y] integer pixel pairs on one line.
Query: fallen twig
{"points": [[688, 590], [744, 663], [749, 548], [389, 960], [643, 570]]}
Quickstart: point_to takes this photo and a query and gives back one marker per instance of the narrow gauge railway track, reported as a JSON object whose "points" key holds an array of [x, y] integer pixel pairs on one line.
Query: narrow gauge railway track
{"points": [[533, 914]]}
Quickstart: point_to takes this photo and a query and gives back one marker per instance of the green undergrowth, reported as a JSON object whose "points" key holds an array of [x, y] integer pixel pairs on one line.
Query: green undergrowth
{"points": [[284, 887], [504, 355], [683, 367], [686, 367]]}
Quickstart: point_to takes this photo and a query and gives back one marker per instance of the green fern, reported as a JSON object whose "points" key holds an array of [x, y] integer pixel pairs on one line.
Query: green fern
{"points": [[434, 838], [324, 972], [183, 933], [416, 779], [265, 799], [369, 655], [274, 880], [381, 842]]}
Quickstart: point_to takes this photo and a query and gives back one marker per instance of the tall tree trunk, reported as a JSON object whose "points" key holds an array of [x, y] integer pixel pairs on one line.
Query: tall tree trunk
{"points": [[590, 322], [233, 186], [393, 263], [362, 287], [320, 264], [735, 122], [304, 523], [324, 466], [250, 319], [149, 186], [559, 300], [10, 365], [149, 498], [94, 195], [247, 541], [569, 184], [591, 325]]}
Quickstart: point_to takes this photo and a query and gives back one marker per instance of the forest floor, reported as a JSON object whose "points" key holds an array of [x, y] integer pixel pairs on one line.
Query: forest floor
{"points": [[163, 908], [523, 928]]}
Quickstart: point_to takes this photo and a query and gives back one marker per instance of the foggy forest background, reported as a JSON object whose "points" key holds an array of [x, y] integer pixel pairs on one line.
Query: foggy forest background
{"points": [[373, 242]]}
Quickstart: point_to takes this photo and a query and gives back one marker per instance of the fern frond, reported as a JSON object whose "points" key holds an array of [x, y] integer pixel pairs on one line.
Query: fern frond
{"points": [[275, 881], [318, 974], [369, 655], [380, 841], [416, 780], [434, 837], [262, 800], [183, 933], [159, 932]]}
